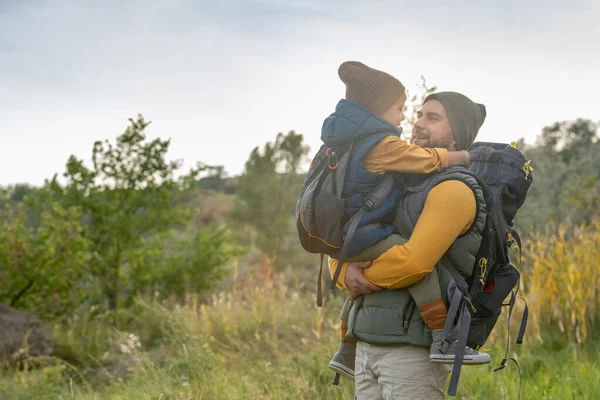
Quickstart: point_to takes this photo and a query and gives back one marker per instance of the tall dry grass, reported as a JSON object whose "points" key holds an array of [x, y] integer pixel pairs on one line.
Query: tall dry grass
{"points": [[561, 282]]}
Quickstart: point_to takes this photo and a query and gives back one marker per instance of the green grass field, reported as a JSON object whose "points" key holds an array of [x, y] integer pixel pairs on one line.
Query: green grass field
{"points": [[263, 342]]}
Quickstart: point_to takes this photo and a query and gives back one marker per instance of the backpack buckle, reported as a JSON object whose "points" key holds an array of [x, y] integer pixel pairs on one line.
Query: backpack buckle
{"points": [[466, 297], [332, 157]]}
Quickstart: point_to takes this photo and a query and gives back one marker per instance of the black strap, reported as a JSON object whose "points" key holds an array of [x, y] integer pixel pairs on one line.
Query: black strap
{"points": [[346, 246], [340, 262], [319, 286], [377, 195], [336, 379], [450, 334], [464, 323], [460, 281], [525, 317], [523, 322], [500, 228], [511, 305], [366, 228], [518, 367], [458, 306], [334, 182]]}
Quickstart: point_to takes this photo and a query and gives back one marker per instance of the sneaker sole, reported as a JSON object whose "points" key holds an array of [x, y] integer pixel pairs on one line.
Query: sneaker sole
{"points": [[466, 361], [341, 369]]}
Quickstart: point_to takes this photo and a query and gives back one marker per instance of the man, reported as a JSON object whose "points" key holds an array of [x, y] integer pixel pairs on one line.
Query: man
{"points": [[392, 360]]}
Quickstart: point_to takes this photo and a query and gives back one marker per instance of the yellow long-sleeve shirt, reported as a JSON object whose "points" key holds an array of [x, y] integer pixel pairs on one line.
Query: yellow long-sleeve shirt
{"points": [[396, 154], [448, 212]]}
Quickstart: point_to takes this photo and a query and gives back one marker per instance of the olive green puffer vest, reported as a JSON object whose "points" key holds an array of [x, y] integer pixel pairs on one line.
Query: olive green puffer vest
{"points": [[388, 317]]}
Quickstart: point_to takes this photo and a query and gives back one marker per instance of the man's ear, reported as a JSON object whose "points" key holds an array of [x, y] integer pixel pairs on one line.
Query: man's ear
{"points": [[452, 146]]}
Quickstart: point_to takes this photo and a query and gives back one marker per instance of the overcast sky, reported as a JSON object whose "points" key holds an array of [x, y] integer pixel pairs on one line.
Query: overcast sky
{"points": [[221, 77]]}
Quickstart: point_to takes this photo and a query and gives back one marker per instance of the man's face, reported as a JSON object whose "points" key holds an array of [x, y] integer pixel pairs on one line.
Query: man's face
{"points": [[395, 114], [432, 128]]}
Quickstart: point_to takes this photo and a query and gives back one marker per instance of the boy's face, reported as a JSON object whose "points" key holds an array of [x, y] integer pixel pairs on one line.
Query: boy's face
{"points": [[432, 128], [395, 114]]}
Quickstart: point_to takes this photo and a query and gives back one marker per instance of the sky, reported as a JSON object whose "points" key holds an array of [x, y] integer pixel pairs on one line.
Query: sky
{"points": [[221, 77]]}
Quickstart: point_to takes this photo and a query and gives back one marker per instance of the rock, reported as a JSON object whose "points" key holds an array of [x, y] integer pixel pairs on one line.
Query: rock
{"points": [[22, 335], [117, 367]]}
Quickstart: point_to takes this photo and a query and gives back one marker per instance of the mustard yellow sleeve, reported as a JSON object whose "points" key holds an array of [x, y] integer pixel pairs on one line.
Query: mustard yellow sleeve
{"points": [[449, 211], [396, 154], [341, 283]]}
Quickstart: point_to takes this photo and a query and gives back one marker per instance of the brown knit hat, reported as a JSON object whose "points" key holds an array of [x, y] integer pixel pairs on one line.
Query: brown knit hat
{"points": [[465, 116], [372, 88]]}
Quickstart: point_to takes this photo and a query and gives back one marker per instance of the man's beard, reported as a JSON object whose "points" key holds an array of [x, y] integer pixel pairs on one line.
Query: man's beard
{"points": [[420, 138], [423, 139]]}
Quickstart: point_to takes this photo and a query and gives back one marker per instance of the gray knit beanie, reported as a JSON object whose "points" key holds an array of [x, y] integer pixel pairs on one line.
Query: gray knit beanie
{"points": [[372, 88], [465, 116]]}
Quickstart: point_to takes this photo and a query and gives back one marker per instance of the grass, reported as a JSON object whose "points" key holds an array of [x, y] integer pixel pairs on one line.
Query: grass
{"points": [[261, 340]]}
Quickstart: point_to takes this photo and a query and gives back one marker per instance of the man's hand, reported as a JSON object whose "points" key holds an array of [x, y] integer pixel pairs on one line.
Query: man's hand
{"points": [[355, 281]]}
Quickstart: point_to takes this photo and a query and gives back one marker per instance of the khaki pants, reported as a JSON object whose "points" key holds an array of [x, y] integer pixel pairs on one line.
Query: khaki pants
{"points": [[398, 373]]}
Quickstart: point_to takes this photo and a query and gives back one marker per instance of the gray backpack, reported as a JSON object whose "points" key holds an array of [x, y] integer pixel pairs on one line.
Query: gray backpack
{"points": [[320, 208]]}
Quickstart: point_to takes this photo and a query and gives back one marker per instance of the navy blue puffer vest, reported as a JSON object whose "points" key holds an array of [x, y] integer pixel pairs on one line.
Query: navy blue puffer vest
{"points": [[351, 121]]}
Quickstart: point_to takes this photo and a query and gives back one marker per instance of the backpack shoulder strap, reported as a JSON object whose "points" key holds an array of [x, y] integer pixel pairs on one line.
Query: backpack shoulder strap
{"points": [[487, 195], [377, 195]]}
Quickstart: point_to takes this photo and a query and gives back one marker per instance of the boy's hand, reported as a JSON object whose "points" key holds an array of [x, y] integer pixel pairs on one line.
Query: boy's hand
{"points": [[458, 158]]}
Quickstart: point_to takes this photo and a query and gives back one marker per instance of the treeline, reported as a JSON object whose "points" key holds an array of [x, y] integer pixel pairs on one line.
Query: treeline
{"points": [[132, 223]]}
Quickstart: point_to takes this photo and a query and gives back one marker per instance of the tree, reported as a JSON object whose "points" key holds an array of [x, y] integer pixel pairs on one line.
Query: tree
{"points": [[17, 193], [217, 180], [569, 138], [41, 262], [267, 193], [566, 187], [180, 264], [413, 106], [129, 194]]}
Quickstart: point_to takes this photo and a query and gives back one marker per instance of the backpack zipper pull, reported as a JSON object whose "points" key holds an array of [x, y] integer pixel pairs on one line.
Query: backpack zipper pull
{"points": [[405, 325]]}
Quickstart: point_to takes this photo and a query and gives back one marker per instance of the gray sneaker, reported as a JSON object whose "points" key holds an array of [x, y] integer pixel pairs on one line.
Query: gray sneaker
{"points": [[343, 361], [443, 352]]}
